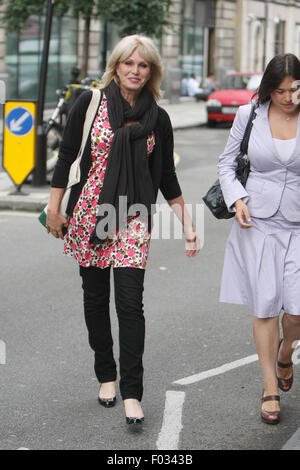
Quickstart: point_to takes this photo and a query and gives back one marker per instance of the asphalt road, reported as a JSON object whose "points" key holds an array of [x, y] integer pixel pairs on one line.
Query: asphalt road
{"points": [[48, 390]]}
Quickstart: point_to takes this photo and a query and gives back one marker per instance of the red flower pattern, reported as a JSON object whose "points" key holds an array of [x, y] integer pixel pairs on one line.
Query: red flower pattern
{"points": [[129, 247]]}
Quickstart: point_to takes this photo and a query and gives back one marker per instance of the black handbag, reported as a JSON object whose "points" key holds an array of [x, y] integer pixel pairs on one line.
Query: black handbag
{"points": [[214, 197]]}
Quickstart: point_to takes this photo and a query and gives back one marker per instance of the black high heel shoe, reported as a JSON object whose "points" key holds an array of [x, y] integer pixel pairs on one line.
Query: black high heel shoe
{"points": [[134, 420], [107, 402]]}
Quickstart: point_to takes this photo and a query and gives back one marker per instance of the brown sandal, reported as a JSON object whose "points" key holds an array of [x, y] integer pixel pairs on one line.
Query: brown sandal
{"points": [[270, 417], [284, 384]]}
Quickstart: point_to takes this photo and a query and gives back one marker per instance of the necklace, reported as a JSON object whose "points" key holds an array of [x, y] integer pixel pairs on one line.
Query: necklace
{"points": [[279, 115], [289, 118]]}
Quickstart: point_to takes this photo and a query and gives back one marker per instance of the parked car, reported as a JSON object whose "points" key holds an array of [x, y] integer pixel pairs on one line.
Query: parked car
{"points": [[236, 89]]}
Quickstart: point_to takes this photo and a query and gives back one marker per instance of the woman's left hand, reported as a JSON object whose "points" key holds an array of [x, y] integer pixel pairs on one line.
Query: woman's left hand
{"points": [[192, 246]]}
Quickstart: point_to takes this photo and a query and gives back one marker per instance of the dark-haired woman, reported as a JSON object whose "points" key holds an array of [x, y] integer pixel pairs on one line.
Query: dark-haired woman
{"points": [[262, 258]]}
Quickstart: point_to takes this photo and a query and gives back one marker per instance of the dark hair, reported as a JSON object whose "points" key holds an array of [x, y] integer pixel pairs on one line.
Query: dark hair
{"points": [[281, 66]]}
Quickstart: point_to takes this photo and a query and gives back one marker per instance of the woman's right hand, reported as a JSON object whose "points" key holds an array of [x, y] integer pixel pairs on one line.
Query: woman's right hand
{"points": [[55, 222], [242, 215]]}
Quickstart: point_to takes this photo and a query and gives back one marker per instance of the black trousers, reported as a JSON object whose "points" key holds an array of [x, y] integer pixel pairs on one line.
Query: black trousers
{"points": [[129, 287]]}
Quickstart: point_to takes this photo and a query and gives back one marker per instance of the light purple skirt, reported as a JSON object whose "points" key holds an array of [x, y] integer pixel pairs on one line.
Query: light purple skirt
{"points": [[262, 267]]}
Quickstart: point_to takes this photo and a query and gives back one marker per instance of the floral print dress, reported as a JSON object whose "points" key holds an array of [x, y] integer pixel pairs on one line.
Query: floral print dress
{"points": [[130, 246]]}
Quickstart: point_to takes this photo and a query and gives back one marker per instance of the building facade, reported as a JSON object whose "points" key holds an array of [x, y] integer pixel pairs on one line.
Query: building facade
{"points": [[250, 32], [206, 36]]}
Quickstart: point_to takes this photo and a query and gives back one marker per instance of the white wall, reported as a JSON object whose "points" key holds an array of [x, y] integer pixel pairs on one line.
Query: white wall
{"points": [[257, 32]]}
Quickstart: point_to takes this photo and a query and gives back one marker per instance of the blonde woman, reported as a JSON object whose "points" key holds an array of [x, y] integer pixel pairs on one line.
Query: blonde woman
{"points": [[129, 154]]}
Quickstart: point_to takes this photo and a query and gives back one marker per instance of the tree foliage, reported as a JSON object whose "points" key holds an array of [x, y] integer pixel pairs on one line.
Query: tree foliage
{"points": [[148, 17], [132, 16]]}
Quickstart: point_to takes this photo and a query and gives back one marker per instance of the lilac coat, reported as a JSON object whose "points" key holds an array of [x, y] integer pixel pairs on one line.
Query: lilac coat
{"points": [[272, 184]]}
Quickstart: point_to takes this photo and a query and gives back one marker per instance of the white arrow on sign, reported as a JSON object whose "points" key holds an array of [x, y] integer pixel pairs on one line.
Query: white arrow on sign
{"points": [[16, 125]]}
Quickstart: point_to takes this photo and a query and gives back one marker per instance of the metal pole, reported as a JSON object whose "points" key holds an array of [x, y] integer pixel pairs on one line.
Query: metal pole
{"points": [[104, 47], [266, 33], [39, 177]]}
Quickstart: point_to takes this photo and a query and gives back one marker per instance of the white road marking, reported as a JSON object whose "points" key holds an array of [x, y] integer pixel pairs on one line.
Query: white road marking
{"points": [[217, 371], [293, 443], [168, 438], [20, 213], [172, 421]]}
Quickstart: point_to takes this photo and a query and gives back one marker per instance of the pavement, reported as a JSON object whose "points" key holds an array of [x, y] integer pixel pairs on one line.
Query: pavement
{"points": [[187, 113]]}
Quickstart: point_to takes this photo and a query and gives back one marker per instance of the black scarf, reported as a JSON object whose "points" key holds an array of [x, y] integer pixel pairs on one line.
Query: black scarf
{"points": [[127, 172]]}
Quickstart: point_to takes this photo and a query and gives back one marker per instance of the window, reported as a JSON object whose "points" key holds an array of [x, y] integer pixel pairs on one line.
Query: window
{"points": [[23, 57], [279, 36], [192, 41]]}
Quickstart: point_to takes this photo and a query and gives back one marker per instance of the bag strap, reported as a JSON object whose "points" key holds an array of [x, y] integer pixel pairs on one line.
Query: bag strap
{"points": [[89, 117], [74, 173], [248, 129]]}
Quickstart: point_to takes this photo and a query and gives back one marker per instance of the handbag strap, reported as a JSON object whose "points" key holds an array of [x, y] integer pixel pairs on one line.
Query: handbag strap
{"points": [[248, 129], [74, 173], [89, 118]]}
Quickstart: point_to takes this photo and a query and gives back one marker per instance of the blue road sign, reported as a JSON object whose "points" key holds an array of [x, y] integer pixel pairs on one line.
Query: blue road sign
{"points": [[19, 121]]}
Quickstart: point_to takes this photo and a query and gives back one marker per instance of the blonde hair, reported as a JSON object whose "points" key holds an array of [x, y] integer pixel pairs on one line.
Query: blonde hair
{"points": [[148, 51]]}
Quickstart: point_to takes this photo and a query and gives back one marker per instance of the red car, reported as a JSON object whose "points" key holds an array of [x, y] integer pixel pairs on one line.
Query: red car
{"points": [[237, 89]]}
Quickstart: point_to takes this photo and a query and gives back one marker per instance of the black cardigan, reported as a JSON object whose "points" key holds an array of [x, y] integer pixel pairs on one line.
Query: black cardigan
{"points": [[161, 160]]}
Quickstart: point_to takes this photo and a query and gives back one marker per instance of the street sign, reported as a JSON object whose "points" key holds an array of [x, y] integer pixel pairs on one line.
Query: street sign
{"points": [[19, 121], [19, 139]]}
